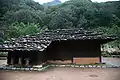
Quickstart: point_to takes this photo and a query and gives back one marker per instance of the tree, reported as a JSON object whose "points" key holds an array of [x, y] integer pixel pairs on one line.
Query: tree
{"points": [[19, 29], [24, 16]]}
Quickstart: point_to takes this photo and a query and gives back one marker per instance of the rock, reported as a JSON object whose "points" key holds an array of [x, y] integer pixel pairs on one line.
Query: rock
{"points": [[103, 66], [31, 69], [82, 66], [98, 66], [39, 69], [14, 68], [57, 65], [22, 69], [72, 65], [86, 66], [94, 66], [90, 66], [35, 69], [67, 65], [76, 66]]}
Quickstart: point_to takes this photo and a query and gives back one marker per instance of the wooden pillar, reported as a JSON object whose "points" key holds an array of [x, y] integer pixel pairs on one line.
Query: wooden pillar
{"points": [[11, 61], [20, 61], [27, 61], [100, 53], [9, 58]]}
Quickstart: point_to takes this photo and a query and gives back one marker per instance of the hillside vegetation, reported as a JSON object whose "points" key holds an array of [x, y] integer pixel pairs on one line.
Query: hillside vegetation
{"points": [[22, 17]]}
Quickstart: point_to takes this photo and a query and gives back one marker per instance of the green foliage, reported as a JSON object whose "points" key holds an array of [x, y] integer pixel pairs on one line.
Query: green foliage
{"points": [[69, 14], [23, 17], [113, 30], [19, 29], [21, 11], [82, 13], [3, 54]]}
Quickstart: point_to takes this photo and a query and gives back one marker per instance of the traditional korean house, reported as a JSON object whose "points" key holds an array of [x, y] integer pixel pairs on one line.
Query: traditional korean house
{"points": [[75, 46]]}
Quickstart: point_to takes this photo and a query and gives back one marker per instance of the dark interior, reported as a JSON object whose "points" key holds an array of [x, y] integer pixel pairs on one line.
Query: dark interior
{"points": [[66, 50]]}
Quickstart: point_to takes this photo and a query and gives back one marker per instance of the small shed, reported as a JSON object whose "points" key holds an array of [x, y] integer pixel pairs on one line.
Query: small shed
{"points": [[76, 46]]}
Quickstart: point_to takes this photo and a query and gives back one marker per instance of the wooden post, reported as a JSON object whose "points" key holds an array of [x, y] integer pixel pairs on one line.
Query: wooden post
{"points": [[9, 58], [11, 61], [27, 61], [100, 54], [20, 61]]}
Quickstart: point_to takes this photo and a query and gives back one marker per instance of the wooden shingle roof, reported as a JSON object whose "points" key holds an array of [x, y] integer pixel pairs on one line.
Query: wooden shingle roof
{"points": [[42, 40]]}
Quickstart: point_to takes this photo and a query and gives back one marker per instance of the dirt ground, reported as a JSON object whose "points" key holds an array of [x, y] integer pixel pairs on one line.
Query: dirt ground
{"points": [[64, 74]]}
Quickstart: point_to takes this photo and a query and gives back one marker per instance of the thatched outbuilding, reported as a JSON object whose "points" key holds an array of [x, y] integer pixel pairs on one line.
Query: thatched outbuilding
{"points": [[76, 46]]}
